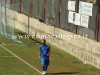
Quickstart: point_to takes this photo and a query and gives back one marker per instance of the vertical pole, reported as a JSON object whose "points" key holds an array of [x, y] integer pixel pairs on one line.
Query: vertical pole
{"points": [[44, 9], [59, 4], [29, 26], [5, 16], [31, 7], [77, 9], [1, 21], [28, 31], [99, 19], [0, 18], [10, 1], [97, 29], [97, 24], [20, 6], [38, 9]]}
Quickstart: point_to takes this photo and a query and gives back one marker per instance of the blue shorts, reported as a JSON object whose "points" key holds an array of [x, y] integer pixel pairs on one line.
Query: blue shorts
{"points": [[45, 61]]}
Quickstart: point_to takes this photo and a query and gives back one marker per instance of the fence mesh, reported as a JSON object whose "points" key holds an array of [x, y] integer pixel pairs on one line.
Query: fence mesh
{"points": [[8, 21], [48, 11]]}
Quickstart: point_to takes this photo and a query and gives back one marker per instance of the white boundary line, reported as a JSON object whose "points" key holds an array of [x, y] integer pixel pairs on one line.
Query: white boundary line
{"points": [[21, 59]]}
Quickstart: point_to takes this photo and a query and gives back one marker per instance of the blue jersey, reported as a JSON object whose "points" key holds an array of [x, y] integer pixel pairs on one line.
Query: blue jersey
{"points": [[44, 49]]}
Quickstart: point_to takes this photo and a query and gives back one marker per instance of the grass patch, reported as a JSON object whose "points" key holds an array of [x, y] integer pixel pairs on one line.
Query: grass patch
{"points": [[62, 63]]}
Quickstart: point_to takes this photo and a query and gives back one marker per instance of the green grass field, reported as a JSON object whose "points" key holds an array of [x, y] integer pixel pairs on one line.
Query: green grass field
{"points": [[61, 63]]}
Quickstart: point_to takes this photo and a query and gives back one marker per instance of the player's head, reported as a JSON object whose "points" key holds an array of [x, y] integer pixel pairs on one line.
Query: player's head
{"points": [[43, 41]]}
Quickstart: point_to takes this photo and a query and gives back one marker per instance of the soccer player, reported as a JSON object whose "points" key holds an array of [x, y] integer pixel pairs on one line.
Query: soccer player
{"points": [[44, 55]]}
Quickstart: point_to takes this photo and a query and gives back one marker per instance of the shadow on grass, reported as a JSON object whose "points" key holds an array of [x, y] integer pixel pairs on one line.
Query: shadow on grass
{"points": [[32, 40], [63, 73], [20, 33]]}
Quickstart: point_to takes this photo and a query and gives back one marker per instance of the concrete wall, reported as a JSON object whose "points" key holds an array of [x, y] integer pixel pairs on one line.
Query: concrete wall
{"points": [[84, 49]]}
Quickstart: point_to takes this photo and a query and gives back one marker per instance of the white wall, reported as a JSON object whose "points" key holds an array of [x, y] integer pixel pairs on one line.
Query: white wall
{"points": [[84, 49]]}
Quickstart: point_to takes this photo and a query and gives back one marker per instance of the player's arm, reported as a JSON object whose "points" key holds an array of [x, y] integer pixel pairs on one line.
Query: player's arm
{"points": [[49, 52], [40, 53]]}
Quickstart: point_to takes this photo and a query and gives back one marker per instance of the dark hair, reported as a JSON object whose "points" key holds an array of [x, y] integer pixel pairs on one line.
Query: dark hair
{"points": [[44, 40]]}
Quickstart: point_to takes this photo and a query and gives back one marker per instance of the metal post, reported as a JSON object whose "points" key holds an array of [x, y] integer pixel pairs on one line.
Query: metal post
{"points": [[20, 6], [31, 7], [0, 21], [28, 32], [29, 26], [10, 1], [97, 25], [44, 8], [5, 15], [77, 9], [97, 29], [59, 4]]}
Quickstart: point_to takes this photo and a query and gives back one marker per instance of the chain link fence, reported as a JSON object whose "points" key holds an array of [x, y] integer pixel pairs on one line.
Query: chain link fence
{"points": [[55, 12]]}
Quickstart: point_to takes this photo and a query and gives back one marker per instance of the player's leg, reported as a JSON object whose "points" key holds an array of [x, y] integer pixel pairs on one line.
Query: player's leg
{"points": [[46, 67], [43, 66], [47, 63]]}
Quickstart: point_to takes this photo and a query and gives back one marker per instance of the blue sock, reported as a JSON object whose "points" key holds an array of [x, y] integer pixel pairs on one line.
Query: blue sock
{"points": [[45, 67]]}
